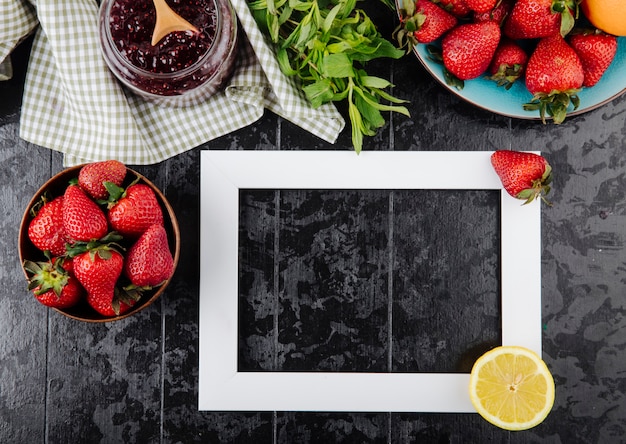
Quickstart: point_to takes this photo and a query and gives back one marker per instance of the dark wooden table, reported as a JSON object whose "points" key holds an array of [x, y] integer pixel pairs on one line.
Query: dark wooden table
{"points": [[367, 281]]}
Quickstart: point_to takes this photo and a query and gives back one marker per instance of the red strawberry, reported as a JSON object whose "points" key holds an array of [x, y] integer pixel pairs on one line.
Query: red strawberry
{"points": [[45, 230], [554, 76], [92, 177], [508, 63], [481, 6], [596, 51], [135, 211], [149, 261], [52, 284], [98, 271], [423, 22], [83, 219], [532, 19], [467, 49], [457, 8], [523, 175], [498, 14]]}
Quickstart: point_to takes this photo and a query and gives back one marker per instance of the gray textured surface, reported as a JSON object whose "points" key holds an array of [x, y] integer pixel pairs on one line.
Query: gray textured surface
{"points": [[302, 303]]}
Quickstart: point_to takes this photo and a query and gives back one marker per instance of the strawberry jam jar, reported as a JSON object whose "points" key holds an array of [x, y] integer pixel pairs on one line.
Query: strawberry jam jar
{"points": [[184, 67]]}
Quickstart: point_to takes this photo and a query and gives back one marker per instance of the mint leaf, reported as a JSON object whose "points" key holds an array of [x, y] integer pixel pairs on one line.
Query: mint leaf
{"points": [[369, 112], [319, 92], [374, 82], [337, 65]]}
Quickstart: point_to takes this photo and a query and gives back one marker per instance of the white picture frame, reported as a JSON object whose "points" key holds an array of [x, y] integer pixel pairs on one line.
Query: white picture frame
{"points": [[221, 387]]}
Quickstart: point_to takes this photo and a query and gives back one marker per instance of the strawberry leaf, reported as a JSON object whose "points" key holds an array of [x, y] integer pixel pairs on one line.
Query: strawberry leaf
{"points": [[115, 192], [554, 104], [31, 267], [506, 75], [73, 250], [435, 54], [39, 204], [45, 276], [111, 237], [130, 294], [453, 80], [115, 305], [568, 9], [539, 188]]}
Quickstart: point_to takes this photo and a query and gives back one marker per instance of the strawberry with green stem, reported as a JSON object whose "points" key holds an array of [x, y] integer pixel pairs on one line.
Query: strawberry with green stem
{"points": [[92, 177], [532, 19], [524, 175], [422, 22], [508, 63], [554, 76], [133, 210], [53, 284], [98, 267]]}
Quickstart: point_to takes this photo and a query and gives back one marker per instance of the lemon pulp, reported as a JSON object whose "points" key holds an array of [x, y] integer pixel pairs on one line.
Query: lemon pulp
{"points": [[512, 388]]}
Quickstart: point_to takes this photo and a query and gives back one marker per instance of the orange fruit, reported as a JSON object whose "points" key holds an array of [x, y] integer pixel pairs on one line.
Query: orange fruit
{"points": [[512, 388], [606, 15]]}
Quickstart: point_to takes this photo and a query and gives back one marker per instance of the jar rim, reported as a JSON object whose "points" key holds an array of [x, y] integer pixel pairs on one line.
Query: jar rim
{"points": [[167, 75]]}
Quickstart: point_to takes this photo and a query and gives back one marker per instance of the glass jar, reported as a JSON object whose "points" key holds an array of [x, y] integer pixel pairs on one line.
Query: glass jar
{"points": [[184, 68]]}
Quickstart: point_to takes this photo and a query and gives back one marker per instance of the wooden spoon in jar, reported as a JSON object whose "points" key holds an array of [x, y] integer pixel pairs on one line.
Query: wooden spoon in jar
{"points": [[168, 21]]}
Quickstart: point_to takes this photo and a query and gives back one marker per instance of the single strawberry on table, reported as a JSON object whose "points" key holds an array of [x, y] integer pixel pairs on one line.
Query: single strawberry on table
{"points": [[554, 76], [596, 51], [45, 230], [83, 219], [53, 284], [523, 175], [98, 270], [468, 49], [135, 211], [149, 261], [92, 177]]}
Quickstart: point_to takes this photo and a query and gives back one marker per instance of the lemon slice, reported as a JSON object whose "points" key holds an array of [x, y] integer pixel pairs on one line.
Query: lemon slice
{"points": [[512, 388]]}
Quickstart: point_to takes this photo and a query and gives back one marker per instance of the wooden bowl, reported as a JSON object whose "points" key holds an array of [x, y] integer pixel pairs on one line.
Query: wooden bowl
{"points": [[54, 187]]}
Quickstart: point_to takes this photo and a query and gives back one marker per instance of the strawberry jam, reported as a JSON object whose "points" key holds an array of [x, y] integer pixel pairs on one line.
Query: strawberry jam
{"points": [[184, 67]]}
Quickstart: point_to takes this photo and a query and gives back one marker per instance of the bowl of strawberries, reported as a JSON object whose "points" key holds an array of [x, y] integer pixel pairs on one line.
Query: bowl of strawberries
{"points": [[98, 242], [528, 59]]}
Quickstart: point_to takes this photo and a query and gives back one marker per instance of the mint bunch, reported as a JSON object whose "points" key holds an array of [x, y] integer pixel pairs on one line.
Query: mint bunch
{"points": [[326, 44]]}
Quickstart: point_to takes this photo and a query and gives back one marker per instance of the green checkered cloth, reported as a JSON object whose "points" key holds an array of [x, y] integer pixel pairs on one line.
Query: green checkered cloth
{"points": [[73, 104]]}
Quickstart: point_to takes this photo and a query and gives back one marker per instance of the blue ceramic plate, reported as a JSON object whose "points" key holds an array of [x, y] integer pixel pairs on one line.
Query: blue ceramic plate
{"points": [[484, 93]]}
